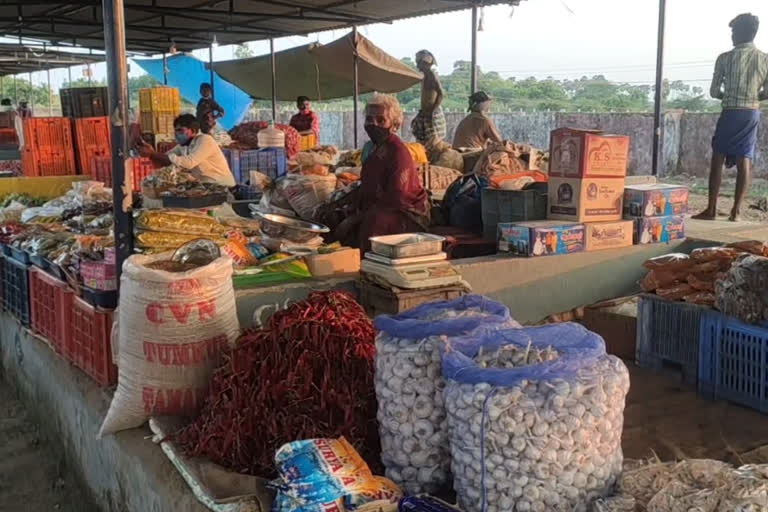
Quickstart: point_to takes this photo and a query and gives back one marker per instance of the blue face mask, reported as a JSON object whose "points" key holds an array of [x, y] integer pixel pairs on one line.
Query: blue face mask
{"points": [[182, 138]]}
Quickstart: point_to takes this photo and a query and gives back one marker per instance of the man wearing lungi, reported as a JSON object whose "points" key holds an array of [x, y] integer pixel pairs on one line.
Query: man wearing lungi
{"points": [[741, 82], [429, 125]]}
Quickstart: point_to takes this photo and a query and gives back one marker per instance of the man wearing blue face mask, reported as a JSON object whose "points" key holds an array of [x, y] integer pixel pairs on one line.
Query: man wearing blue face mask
{"points": [[196, 152]]}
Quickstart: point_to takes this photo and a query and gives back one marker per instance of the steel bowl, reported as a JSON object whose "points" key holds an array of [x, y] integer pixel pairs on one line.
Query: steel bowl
{"points": [[287, 228]]}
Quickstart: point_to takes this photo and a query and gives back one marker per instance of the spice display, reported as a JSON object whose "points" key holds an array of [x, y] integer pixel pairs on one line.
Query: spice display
{"points": [[308, 374], [741, 291], [694, 278], [535, 417], [688, 485], [409, 386]]}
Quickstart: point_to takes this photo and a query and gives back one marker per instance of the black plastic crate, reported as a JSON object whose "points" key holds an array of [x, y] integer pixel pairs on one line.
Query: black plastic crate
{"points": [[16, 289], [668, 336], [106, 299], [511, 206], [84, 102]]}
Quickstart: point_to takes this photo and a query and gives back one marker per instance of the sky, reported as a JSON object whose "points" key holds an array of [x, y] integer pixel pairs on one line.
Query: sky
{"points": [[558, 38]]}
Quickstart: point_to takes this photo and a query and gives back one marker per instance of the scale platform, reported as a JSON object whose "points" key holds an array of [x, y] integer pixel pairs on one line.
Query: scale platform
{"points": [[415, 275], [378, 258]]}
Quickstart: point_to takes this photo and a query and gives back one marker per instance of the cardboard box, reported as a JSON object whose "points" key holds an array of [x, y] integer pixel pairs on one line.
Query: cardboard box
{"points": [[587, 154], [541, 238], [651, 230], [609, 235], [343, 261], [585, 200], [655, 200]]}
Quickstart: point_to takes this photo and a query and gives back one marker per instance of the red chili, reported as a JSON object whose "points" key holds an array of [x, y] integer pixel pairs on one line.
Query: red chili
{"points": [[307, 374]]}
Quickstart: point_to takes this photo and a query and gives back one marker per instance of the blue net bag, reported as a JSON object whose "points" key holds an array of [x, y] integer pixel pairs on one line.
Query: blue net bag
{"points": [[535, 417], [409, 386]]}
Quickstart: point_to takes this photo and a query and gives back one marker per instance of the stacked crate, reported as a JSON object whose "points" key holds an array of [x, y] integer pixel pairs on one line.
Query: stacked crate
{"points": [[159, 106], [84, 102], [48, 148], [92, 135]]}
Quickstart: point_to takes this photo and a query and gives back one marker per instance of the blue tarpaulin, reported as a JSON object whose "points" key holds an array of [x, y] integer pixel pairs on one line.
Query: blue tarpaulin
{"points": [[187, 73]]}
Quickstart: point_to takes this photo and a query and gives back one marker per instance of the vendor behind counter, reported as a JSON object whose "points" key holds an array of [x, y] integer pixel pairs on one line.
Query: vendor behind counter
{"points": [[196, 152], [392, 199]]}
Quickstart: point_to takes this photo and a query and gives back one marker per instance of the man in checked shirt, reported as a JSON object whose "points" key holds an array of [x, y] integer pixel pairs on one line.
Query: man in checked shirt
{"points": [[741, 82]]}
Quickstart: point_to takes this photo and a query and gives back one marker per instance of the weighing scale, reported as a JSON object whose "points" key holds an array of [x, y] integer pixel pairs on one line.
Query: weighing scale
{"points": [[414, 275], [378, 258]]}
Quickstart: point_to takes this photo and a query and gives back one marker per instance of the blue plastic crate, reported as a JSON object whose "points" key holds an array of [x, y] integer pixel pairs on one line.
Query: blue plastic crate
{"points": [[16, 289], [733, 361], [668, 336], [233, 159], [269, 161]]}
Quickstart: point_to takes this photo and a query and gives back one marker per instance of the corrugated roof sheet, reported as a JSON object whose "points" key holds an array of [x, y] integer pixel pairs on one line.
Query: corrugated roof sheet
{"points": [[152, 25], [15, 59]]}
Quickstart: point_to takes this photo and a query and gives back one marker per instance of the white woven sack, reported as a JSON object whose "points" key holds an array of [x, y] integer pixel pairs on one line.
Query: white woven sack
{"points": [[170, 331]]}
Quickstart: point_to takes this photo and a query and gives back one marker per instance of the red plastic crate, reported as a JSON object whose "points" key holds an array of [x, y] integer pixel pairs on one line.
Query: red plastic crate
{"points": [[8, 137], [48, 133], [48, 163], [91, 342], [140, 169], [102, 169], [50, 302], [92, 135]]}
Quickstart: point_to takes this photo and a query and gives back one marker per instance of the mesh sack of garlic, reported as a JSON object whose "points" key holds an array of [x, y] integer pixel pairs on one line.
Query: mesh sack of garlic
{"points": [[409, 385], [535, 418]]}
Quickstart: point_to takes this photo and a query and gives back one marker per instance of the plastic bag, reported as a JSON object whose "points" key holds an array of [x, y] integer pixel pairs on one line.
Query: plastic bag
{"points": [[742, 292], [306, 193], [669, 262], [535, 418], [171, 328], [658, 278], [409, 385], [706, 254], [274, 201], [675, 291], [323, 474]]}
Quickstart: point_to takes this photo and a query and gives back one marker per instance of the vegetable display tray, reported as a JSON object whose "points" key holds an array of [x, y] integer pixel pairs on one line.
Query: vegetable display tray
{"points": [[668, 336], [733, 361], [408, 245]]}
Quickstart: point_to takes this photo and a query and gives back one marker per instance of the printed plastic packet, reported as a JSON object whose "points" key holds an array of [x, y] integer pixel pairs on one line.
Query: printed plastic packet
{"points": [[322, 475]]}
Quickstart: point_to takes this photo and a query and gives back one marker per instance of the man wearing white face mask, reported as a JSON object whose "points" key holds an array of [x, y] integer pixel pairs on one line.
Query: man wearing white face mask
{"points": [[196, 152]]}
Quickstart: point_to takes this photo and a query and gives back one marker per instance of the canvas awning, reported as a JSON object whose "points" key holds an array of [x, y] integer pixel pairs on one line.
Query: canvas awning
{"points": [[320, 71]]}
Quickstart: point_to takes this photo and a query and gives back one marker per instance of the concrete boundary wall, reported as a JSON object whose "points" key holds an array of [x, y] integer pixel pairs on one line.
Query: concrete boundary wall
{"points": [[686, 148]]}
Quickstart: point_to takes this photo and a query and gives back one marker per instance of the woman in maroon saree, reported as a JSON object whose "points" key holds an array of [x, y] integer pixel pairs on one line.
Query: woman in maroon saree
{"points": [[392, 200]]}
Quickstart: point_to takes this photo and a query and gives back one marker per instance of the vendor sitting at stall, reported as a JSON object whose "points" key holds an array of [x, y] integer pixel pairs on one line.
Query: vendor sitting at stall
{"points": [[208, 110], [196, 152], [306, 121], [475, 130], [392, 200]]}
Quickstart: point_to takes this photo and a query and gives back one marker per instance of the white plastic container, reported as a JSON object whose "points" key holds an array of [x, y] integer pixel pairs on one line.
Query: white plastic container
{"points": [[270, 137]]}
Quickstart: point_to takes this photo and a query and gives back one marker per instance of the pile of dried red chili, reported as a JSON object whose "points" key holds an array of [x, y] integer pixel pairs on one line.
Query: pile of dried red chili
{"points": [[307, 374]]}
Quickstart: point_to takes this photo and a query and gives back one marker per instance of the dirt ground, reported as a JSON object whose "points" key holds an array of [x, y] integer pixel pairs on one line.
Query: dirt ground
{"points": [[671, 420], [32, 477], [697, 200]]}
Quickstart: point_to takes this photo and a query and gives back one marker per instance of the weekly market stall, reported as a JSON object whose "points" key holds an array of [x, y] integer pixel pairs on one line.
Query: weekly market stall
{"points": [[520, 355]]}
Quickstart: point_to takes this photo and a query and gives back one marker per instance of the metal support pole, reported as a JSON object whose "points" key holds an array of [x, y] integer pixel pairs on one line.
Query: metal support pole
{"points": [[117, 81], [90, 80], [69, 75], [2, 86], [356, 87], [659, 97], [210, 65], [165, 69], [273, 67], [31, 98], [15, 91], [50, 93], [473, 75]]}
